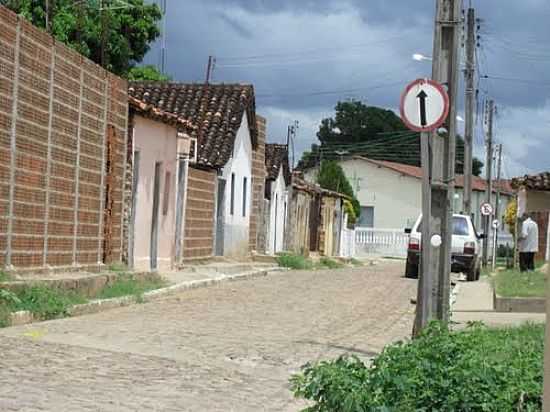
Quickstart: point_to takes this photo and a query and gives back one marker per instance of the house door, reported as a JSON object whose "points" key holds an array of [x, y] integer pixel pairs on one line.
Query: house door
{"points": [[220, 217], [155, 217], [132, 229], [314, 224]]}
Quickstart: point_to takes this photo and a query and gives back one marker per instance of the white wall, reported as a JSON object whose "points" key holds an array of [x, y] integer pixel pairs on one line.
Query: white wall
{"points": [[277, 214], [236, 229], [156, 142]]}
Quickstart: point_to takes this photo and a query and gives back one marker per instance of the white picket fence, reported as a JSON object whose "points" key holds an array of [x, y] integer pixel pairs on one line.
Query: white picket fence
{"points": [[381, 242], [393, 242]]}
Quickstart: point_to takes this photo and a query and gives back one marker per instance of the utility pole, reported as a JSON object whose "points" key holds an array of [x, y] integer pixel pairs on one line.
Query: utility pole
{"points": [[163, 49], [497, 204], [105, 23], [469, 74], [438, 163], [489, 177], [210, 68]]}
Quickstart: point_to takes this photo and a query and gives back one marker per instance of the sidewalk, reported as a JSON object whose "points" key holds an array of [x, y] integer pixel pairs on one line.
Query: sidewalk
{"points": [[474, 303]]}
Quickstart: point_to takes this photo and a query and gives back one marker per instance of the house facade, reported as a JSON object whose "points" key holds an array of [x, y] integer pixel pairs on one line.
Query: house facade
{"points": [[276, 191], [159, 167], [533, 196], [223, 185], [390, 194]]}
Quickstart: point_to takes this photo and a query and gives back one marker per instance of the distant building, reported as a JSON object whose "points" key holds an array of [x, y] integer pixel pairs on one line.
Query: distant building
{"points": [[390, 194]]}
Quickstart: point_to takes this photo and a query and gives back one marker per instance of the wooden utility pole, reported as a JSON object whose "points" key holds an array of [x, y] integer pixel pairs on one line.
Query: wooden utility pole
{"points": [[438, 163], [489, 177], [470, 110], [497, 204]]}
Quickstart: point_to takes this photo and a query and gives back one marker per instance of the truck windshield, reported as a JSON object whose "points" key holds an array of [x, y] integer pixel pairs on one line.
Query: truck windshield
{"points": [[460, 226]]}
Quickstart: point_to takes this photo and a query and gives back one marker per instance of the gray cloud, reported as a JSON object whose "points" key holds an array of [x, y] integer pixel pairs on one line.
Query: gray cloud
{"points": [[304, 56]]}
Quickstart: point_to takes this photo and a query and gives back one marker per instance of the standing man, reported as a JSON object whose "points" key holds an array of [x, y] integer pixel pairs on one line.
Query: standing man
{"points": [[528, 243]]}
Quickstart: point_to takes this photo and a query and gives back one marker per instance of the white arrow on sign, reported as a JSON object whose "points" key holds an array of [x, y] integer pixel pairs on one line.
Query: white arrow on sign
{"points": [[424, 105]]}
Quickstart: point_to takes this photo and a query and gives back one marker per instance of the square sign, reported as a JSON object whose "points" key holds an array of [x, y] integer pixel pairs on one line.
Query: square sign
{"points": [[424, 105]]}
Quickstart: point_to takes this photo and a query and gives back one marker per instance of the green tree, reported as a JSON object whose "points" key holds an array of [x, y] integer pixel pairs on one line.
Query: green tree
{"points": [[131, 29], [358, 129], [147, 73], [332, 177]]}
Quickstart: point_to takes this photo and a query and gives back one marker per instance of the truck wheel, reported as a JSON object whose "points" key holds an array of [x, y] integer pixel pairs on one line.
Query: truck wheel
{"points": [[472, 275]]}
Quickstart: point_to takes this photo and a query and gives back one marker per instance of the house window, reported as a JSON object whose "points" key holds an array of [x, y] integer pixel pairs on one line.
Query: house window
{"points": [[366, 219], [166, 198], [193, 150], [245, 181], [232, 204]]}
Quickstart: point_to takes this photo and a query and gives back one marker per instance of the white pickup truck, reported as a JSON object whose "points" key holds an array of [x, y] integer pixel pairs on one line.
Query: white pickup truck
{"points": [[465, 250]]}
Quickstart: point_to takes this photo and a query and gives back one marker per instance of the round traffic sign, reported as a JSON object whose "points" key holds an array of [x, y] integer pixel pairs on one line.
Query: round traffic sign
{"points": [[424, 105], [486, 209], [496, 224]]}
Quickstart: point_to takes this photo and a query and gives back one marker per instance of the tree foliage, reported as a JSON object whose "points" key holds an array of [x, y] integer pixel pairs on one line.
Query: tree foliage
{"points": [[147, 73], [358, 129], [332, 177], [131, 30], [511, 215]]}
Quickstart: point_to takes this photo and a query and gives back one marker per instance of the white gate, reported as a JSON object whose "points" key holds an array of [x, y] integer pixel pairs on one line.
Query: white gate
{"points": [[381, 242]]}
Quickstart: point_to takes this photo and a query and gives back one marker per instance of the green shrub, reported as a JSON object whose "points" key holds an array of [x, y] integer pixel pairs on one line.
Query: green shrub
{"points": [[478, 369], [130, 286], [46, 302], [297, 262], [4, 277], [329, 263]]}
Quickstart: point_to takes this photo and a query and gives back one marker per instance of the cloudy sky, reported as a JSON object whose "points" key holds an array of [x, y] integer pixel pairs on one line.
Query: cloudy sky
{"points": [[302, 56]]}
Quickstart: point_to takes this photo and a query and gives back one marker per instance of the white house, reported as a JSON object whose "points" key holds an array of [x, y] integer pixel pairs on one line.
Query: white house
{"points": [[390, 194], [277, 181]]}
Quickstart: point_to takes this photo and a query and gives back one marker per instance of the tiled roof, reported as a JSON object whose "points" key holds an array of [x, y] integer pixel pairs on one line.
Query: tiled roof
{"points": [[151, 112], [478, 184], [533, 182], [276, 155], [216, 109], [300, 184]]}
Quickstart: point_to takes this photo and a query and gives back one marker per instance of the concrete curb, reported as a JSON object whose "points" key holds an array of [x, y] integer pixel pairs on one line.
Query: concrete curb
{"points": [[519, 305], [100, 305]]}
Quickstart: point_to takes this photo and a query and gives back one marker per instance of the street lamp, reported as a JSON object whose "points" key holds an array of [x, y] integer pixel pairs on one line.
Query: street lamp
{"points": [[420, 57]]}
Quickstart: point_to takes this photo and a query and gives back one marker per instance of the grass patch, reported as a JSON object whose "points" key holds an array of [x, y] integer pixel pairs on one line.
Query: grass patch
{"points": [[4, 277], [130, 286], [356, 262], [479, 369], [118, 267], [296, 262], [513, 283], [42, 301], [328, 263]]}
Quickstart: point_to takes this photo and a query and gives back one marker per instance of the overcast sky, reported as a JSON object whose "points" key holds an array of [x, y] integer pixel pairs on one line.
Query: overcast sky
{"points": [[302, 56]]}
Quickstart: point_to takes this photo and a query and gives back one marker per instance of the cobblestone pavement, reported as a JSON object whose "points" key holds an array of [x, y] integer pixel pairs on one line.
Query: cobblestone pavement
{"points": [[227, 348]]}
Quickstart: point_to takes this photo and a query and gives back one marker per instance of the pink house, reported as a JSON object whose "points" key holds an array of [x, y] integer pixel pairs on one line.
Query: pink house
{"points": [[158, 150]]}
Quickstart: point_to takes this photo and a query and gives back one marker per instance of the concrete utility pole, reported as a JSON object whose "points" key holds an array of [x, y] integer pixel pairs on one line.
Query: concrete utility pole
{"points": [[469, 74], [497, 204], [489, 177], [438, 163], [210, 68]]}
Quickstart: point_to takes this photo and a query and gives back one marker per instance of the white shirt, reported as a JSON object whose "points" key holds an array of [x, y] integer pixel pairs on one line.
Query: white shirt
{"points": [[529, 237]]}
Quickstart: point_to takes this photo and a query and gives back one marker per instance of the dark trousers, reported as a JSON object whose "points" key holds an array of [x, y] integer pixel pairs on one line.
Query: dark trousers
{"points": [[526, 261]]}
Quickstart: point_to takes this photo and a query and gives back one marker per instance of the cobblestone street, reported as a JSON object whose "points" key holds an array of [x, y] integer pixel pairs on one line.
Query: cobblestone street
{"points": [[227, 348]]}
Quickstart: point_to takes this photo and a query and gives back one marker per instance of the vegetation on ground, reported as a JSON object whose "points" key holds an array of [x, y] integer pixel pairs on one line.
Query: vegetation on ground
{"points": [[328, 263], [513, 283], [296, 262], [478, 369], [4, 277], [46, 302], [127, 285]]}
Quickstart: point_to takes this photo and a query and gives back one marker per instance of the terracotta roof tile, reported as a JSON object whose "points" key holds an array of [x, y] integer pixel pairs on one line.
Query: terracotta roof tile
{"points": [[478, 184], [276, 155], [533, 182], [216, 109], [150, 111]]}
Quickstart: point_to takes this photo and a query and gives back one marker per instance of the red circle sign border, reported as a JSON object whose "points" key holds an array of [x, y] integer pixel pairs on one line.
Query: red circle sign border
{"points": [[443, 117]]}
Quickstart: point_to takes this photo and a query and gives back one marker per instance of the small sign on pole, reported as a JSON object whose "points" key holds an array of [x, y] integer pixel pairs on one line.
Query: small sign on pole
{"points": [[486, 209], [424, 105], [496, 224]]}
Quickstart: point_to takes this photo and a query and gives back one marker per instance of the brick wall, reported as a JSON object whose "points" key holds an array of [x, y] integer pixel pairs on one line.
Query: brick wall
{"points": [[258, 184], [55, 109], [199, 214]]}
